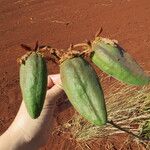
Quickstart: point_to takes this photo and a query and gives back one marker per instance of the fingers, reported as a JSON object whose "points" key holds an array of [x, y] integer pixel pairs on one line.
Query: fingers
{"points": [[50, 82], [54, 80], [53, 94]]}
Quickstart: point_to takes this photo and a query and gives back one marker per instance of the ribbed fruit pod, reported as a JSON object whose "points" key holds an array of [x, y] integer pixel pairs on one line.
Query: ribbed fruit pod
{"points": [[113, 60], [33, 82], [83, 89]]}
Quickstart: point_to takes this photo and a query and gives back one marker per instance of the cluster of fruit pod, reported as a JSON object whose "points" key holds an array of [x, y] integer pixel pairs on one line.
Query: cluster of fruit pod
{"points": [[79, 79]]}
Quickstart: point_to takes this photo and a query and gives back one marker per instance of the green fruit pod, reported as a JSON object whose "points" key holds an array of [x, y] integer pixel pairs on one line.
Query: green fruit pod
{"points": [[83, 89], [114, 61], [33, 82]]}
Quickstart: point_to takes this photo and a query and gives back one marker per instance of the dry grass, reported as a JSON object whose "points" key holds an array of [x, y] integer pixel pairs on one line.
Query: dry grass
{"points": [[128, 106]]}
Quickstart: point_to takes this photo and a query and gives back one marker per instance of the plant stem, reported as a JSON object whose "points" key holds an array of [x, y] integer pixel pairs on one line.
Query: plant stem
{"points": [[125, 130]]}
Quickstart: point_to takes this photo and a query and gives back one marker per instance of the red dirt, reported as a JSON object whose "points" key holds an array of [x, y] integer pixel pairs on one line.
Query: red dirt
{"points": [[59, 23]]}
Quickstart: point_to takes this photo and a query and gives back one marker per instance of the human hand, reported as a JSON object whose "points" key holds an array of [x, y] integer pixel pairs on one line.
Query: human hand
{"points": [[26, 133]]}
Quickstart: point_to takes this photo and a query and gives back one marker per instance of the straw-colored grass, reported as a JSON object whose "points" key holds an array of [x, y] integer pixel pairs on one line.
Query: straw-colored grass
{"points": [[128, 106]]}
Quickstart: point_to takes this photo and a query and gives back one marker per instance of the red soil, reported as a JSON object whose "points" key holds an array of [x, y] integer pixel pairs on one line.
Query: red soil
{"points": [[59, 23]]}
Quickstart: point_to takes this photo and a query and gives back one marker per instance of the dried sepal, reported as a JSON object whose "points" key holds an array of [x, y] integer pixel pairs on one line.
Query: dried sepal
{"points": [[23, 59]]}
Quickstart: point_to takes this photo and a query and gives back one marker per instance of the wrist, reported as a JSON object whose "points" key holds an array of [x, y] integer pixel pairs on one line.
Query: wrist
{"points": [[5, 141], [13, 140], [9, 140]]}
